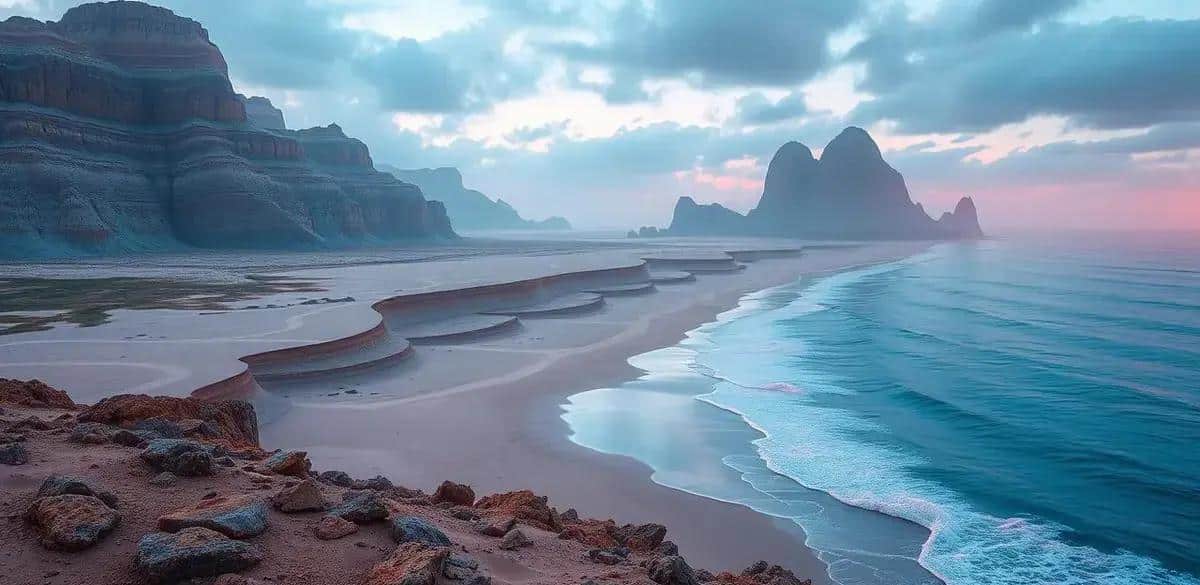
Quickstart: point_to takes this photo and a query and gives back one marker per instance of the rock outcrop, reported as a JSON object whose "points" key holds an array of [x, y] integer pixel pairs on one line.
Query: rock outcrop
{"points": [[33, 393], [231, 423], [849, 193], [469, 209], [262, 113], [120, 131]]}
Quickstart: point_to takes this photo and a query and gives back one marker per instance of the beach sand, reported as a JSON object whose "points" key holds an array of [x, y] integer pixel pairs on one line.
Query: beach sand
{"points": [[495, 422]]}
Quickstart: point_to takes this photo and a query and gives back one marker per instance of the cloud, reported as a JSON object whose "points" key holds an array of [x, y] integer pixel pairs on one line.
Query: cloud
{"points": [[721, 42], [410, 78], [755, 109], [1120, 73]]}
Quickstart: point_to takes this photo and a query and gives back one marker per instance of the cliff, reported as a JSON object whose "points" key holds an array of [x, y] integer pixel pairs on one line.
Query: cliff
{"points": [[120, 131], [468, 208], [262, 113], [851, 192]]}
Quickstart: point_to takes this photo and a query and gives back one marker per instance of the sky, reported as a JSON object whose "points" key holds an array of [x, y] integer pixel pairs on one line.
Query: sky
{"points": [[1079, 114]]}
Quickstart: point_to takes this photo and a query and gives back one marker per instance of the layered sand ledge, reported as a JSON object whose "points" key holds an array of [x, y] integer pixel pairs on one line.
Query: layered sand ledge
{"points": [[477, 398]]}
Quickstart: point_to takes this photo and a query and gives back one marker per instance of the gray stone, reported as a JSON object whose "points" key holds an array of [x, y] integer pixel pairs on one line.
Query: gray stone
{"points": [[180, 456], [361, 507], [239, 516], [192, 553], [514, 540], [414, 529], [671, 570], [13, 454], [338, 478], [57, 485]]}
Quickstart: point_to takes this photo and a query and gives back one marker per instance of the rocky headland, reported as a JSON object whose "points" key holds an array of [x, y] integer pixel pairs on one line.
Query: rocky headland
{"points": [[469, 209], [851, 193], [120, 131], [141, 489]]}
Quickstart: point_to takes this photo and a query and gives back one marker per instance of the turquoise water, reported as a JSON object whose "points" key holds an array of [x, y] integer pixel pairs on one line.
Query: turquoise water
{"points": [[1034, 405]]}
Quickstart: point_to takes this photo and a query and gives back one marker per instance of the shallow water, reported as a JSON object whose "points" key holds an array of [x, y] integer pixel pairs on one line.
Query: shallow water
{"points": [[1035, 405]]}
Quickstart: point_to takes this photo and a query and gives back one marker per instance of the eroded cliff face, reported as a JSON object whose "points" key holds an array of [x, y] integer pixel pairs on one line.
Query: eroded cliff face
{"points": [[120, 131], [851, 192]]}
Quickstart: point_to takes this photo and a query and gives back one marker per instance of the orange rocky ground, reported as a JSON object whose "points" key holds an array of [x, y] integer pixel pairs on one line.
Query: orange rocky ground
{"points": [[140, 489]]}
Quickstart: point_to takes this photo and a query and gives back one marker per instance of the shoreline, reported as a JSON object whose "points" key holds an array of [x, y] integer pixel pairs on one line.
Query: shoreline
{"points": [[510, 435]]}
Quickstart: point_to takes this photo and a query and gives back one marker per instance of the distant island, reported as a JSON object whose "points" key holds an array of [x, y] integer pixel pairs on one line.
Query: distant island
{"points": [[469, 209], [120, 131], [849, 193]]}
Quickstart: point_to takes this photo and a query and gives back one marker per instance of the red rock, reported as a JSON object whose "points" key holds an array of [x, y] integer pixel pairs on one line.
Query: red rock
{"points": [[412, 563], [523, 505], [71, 522], [34, 393], [596, 533], [234, 420], [332, 528], [455, 493]]}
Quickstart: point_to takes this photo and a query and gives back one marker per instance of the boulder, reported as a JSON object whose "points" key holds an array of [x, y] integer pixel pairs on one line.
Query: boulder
{"points": [[641, 538], [569, 517], [332, 528], [180, 456], [763, 573], [414, 529], [293, 463], [57, 485], [34, 393], [378, 483], [459, 567], [13, 454], [233, 422], [130, 438], [497, 527], [239, 516], [412, 563], [194, 552], [464, 513], [514, 540], [338, 478], [605, 556], [71, 522], [90, 434], [597, 533], [455, 493], [523, 505], [671, 570], [361, 507], [31, 423], [159, 427], [667, 548], [302, 497]]}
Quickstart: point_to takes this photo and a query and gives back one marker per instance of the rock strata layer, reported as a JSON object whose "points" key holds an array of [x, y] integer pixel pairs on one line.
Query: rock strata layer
{"points": [[120, 131]]}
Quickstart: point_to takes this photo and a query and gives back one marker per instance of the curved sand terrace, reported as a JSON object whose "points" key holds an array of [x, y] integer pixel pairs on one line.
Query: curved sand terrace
{"points": [[473, 370]]}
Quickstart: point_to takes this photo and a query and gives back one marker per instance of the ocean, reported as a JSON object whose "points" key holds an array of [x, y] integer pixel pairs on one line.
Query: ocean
{"points": [[1021, 410]]}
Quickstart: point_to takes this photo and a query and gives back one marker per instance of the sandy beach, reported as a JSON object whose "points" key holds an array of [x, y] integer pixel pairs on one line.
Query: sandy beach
{"points": [[505, 431], [479, 409]]}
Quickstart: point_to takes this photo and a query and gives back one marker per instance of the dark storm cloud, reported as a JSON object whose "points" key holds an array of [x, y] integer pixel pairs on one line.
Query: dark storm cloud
{"points": [[767, 42], [1113, 74]]}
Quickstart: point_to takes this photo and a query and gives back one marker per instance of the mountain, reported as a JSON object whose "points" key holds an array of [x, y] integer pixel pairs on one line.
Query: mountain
{"points": [[849, 193], [469, 209], [120, 131]]}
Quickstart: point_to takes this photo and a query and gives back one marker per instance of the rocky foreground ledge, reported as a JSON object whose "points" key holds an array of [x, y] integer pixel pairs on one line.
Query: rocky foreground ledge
{"points": [[141, 489]]}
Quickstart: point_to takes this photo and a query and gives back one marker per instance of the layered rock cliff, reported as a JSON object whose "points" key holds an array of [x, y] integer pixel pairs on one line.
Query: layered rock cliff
{"points": [[120, 131], [849, 193], [469, 209]]}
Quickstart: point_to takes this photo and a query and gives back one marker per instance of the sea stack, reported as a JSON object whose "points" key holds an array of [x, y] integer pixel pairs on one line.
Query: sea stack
{"points": [[851, 192], [120, 131]]}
